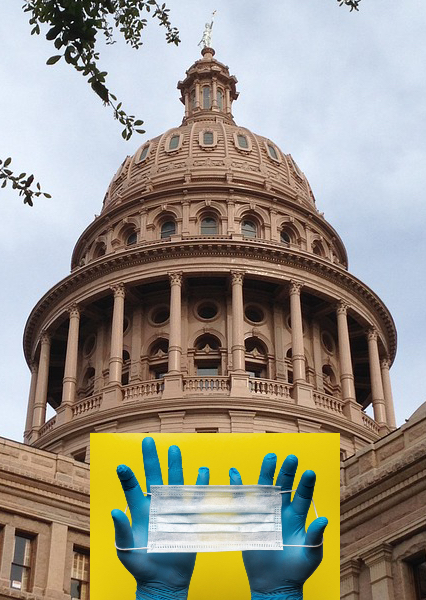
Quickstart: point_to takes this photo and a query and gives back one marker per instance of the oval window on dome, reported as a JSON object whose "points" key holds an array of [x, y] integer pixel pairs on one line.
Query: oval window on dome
{"points": [[174, 142], [248, 228], [272, 151], [143, 154], [167, 229], [242, 141], [208, 138]]}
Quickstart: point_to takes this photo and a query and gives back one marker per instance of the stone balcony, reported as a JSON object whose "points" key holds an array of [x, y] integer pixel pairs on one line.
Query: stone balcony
{"points": [[177, 393]]}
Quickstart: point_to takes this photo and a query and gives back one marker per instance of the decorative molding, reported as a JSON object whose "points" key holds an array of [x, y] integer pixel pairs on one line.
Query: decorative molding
{"points": [[237, 277], [176, 278], [119, 290]]}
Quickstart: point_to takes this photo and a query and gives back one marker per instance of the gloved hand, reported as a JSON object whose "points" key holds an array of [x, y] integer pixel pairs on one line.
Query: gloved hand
{"points": [[159, 576], [280, 574]]}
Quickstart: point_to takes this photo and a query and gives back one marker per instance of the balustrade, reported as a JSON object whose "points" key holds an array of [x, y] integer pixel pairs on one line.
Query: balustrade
{"points": [[48, 426], [268, 387], [87, 405], [154, 387], [328, 402], [206, 384]]}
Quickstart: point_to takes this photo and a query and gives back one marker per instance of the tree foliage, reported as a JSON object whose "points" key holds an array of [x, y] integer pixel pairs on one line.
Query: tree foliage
{"points": [[353, 4], [21, 182], [74, 29]]}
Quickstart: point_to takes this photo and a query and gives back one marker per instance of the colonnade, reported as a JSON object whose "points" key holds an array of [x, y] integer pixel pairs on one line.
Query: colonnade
{"points": [[379, 369]]}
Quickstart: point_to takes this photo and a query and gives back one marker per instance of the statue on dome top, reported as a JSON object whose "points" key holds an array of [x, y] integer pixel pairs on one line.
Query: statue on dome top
{"points": [[206, 40]]}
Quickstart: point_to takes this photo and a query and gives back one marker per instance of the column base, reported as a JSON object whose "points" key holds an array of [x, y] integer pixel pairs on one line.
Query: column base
{"points": [[173, 385], [302, 394], [239, 385], [384, 429], [63, 414], [112, 397], [352, 411]]}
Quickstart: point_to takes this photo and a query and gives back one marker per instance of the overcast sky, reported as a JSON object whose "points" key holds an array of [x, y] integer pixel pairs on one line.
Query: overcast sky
{"points": [[344, 93]]}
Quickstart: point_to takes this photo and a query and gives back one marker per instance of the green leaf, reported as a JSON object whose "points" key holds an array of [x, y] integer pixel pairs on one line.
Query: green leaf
{"points": [[53, 59], [54, 32], [7, 162], [47, 195]]}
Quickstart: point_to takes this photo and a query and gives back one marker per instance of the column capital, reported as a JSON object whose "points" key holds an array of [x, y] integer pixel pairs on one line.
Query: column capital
{"points": [[237, 277], [175, 278], [295, 287], [372, 334], [377, 555], [45, 337], [342, 307], [385, 363], [73, 310], [119, 290]]}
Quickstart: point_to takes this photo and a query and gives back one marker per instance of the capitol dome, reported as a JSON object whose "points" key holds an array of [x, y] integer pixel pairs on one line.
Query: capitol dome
{"points": [[210, 294]]}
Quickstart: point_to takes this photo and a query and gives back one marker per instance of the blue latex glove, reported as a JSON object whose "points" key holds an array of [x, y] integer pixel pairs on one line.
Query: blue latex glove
{"points": [[159, 576], [280, 574]]}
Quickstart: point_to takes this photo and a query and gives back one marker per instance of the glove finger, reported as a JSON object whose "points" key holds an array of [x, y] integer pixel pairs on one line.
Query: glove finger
{"points": [[315, 532], [131, 488], [151, 463], [123, 531], [303, 496], [175, 466], [267, 470], [234, 477], [286, 476], [203, 476]]}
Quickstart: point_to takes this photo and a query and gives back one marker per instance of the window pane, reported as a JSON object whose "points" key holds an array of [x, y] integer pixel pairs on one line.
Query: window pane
{"points": [[248, 229], [144, 153], [206, 97], [220, 99], [75, 589], [167, 229], [207, 371], [272, 152], [209, 226], [22, 554], [242, 141], [131, 239], [208, 138], [192, 99], [420, 578], [285, 238], [174, 142]]}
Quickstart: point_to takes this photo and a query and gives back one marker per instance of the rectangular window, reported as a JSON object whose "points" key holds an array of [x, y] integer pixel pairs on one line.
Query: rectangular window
{"points": [[206, 98], [207, 371], [419, 572], [207, 430], [80, 575], [20, 573]]}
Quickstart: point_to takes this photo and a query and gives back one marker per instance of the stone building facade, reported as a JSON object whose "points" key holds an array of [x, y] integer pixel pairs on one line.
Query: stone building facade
{"points": [[211, 295]]}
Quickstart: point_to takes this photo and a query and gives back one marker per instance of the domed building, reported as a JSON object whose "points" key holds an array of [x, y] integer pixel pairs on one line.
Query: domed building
{"points": [[211, 295]]}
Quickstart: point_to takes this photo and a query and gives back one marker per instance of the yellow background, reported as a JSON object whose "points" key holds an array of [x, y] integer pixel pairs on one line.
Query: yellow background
{"points": [[216, 575]]}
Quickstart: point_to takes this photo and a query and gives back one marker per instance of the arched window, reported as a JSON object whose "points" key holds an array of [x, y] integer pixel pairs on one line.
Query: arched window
{"points": [[206, 98], [220, 99], [248, 228], [317, 248], [329, 380], [192, 99], [256, 358], [285, 237], [209, 226], [158, 356], [131, 238], [100, 250], [272, 152], [207, 357], [144, 153], [87, 384], [208, 138], [125, 373], [168, 228]]}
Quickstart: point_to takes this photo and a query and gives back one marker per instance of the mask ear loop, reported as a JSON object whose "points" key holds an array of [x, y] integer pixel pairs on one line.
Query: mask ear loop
{"points": [[284, 545]]}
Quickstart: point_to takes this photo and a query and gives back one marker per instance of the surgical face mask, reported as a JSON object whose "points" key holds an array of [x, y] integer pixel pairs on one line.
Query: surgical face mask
{"points": [[214, 518]]}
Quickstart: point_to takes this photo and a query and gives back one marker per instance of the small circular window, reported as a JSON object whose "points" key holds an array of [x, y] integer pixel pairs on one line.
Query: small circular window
{"points": [[207, 310], [160, 315], [254, 314], [327, 341], [89, 345]]}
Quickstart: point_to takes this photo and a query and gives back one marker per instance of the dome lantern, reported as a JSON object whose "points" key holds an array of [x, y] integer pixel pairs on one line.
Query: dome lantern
{"points": [[208, 89]]}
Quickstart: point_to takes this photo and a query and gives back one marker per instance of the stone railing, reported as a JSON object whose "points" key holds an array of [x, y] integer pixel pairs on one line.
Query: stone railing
{"points": [[269, 387], [154, 387], [328, 402], [87, 405], [370, 423], [214, 384], [48, 426]]}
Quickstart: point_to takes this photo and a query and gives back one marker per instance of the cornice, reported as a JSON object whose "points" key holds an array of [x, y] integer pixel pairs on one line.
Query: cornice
{"points": [[188, 248]]}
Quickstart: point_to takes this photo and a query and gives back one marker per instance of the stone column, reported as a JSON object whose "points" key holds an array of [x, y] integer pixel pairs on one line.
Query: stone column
{"points": [[135, 351], [278, 340], [69, 381], [116, 355], [231, 217], [214, 93], [387, 390], [40, 399], [316, 345], [175, 335], [377, 393], [351, 408], [197, 95], [238, 347], [57, 556], [31, 399], [228, 101], [185, 217], [379, 561], [297, 346], [349, 580], [99, 358]]}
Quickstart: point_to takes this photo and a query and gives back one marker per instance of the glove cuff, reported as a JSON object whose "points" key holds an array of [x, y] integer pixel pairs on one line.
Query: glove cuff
{"points": [[294, 592], [148, 591]]}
